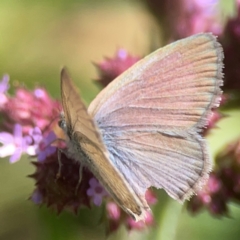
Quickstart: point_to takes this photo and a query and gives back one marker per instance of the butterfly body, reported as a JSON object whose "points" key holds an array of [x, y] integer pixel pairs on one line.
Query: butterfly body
{"points": [[144, 128]]}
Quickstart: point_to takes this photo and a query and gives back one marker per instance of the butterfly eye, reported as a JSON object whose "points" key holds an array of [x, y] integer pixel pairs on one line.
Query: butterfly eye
{"points": [[62, 122]]}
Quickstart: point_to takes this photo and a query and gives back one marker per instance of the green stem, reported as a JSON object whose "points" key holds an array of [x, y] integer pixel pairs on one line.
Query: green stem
{"points": [[167, 214]]}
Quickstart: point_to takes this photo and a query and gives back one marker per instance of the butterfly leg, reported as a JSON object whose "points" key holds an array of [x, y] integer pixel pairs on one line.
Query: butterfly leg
{"points": [[80, 178], [59, 164]]}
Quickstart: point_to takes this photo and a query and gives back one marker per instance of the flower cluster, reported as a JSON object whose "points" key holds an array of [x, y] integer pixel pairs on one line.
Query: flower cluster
{"points": [[116, 216], [26, 119], [230, 39], [57, 185], [223, 185], [30, 126], [179, 19]]}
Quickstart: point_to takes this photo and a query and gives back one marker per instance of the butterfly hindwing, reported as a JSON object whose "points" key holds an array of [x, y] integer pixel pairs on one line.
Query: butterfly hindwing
{"points": [[151, 116]]}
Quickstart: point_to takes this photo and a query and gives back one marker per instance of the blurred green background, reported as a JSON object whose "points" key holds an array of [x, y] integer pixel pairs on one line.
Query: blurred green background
{"points": [[36, 40]]}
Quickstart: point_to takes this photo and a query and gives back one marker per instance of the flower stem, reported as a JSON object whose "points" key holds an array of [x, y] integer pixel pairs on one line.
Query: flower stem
{"points": [[166, 215]]}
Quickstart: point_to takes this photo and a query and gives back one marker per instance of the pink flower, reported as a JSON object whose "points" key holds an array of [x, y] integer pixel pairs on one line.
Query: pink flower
{"points": [[150, 197], [110, 68], [30, 109], [149, 221], [113, 211]]}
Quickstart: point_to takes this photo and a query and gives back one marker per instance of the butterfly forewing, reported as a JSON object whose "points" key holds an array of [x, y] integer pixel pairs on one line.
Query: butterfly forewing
{"points": [[150, 116], [85, 145], [174, 87], [75, 111]]}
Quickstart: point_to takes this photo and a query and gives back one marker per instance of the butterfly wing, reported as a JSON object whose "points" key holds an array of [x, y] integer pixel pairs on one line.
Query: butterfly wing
{"points": [[85, 145], [151, 115]]}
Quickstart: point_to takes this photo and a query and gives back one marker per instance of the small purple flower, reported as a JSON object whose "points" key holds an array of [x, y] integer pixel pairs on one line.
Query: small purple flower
{"points": [[39, 93], [14, 144], [37, 197], [42, 145], [96, 191], [4, 86], [122, 54], [36, 134], [45, 149]]}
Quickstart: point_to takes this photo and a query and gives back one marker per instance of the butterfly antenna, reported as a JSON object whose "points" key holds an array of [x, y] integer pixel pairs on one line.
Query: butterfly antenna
{"points": [[48, 127]]}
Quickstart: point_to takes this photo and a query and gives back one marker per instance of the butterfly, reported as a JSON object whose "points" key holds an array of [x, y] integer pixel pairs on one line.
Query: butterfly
{"points": [[144, 128]]}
